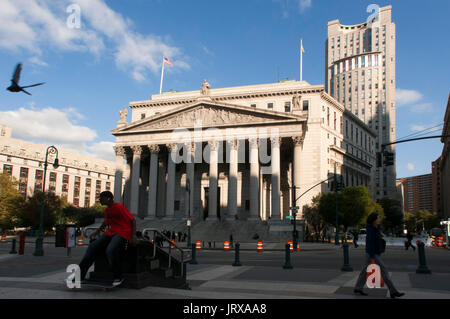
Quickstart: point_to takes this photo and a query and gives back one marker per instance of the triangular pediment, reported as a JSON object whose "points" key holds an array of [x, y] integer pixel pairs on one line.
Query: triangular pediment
{"points": [[208, 114]]}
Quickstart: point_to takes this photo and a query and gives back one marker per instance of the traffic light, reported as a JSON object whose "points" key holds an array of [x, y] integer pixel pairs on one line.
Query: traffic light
{"points": [[388, 158], [379, 159]]}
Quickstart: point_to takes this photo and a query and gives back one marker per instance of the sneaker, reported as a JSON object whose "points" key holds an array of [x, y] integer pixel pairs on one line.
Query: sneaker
{"points": [[117, 282]]}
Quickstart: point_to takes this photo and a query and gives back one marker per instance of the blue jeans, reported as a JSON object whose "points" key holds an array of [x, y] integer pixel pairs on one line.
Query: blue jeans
{"points": [[112, 246]]}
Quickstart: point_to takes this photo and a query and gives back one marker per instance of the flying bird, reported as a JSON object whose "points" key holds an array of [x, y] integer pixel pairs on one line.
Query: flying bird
{"points": [[15, 81]]}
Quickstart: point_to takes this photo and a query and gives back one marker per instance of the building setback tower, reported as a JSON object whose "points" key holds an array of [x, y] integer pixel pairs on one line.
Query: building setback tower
{"points": [[360, 74]]}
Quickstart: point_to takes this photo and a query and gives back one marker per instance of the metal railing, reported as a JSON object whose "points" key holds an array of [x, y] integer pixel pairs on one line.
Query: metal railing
{"points": [[165, 238], [85, 234]]}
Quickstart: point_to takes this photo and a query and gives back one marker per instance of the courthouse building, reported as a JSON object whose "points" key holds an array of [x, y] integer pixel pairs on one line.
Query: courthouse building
{"points": [[79, 178], [237, 152]]}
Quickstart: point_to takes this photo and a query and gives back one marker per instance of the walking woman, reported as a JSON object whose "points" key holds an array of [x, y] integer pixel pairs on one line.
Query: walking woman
{"points": [[373, 252]]}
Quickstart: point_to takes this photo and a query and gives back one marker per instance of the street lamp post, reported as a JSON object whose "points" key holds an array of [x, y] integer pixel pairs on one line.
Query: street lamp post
{"points": [[39, 249], [188, 188], [294, 214]]}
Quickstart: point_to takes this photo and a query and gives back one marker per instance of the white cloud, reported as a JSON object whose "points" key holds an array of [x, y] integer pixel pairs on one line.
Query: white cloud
{"points": [[57, 127], [34, 25], [405, 97], [422, 108], [304, 4], [288, 6], [417, 127], [48, 124], [37, 61], [411, 167], [102, 150]]}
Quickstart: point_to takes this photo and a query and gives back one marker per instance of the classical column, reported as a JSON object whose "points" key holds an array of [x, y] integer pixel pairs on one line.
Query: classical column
{"points": [[213, 179], [135, 174], [275, 151], [254, 178], [190, 176], [153, 180], [232, 178], [298, 147], [170, 192], [120, 152]]}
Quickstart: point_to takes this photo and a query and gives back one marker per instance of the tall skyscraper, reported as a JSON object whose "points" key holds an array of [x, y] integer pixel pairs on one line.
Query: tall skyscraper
{"points": [[360, 73]]}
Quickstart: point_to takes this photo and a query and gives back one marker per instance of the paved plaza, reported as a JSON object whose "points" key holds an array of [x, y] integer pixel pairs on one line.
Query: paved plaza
{"points": [[316, 273]]}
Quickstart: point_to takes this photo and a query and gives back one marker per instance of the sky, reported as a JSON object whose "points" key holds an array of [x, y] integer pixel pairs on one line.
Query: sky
{"points": [[96, 56]]}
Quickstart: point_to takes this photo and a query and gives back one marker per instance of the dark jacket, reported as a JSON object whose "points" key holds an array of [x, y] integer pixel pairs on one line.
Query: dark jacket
{"points": [[373, 241]]}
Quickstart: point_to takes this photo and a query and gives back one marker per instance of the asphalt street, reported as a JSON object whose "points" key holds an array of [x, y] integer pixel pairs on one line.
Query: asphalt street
{"points": [[316, 273]]}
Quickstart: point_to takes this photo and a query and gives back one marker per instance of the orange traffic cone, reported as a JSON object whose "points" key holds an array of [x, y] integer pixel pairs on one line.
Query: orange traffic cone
{"points": [[291, 244], [259, 246], [3, 240], [198, 245], [80, 241], [226, 245]]}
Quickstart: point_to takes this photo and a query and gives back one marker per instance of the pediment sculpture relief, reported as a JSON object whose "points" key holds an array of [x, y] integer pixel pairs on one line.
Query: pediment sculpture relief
{"points": [[208, 116]]}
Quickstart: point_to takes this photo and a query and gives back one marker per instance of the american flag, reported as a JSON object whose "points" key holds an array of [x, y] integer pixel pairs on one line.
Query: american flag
{"points": [[166, 60]]}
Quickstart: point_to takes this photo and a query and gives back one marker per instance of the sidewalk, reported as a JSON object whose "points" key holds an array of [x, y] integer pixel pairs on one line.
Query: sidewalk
{"points": [[43, 278]]}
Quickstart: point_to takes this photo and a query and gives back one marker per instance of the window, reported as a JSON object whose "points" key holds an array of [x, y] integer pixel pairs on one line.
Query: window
{"points": [[287, 106], [142, 116], [253, 105], [52, 183], [270, 105], [38, 177], [305, 105], [8, 169]]}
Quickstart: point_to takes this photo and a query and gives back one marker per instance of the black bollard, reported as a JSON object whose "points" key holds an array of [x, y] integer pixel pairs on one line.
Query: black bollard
{"points": [[287, 264], [13, 248], [236, 255], [423, 268], [346, 266], [193, 260]]}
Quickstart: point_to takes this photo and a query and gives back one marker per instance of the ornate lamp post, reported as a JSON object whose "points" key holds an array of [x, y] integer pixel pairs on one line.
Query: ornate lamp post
{"points": [[39, 250]]}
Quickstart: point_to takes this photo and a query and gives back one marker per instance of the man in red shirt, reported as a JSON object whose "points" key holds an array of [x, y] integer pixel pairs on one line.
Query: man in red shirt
{"points": [[121, 228]]}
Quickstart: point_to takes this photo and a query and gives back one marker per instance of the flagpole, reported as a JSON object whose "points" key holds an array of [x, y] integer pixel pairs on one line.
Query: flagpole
{"points": [[301, 59], [162, 76]]}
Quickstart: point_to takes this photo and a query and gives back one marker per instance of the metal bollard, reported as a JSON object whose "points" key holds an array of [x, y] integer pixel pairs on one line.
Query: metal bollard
{"points": [[13, 248], [423, 268], [193, 260], [287, 264], [346, 266], [22, 243], [236, 255]]}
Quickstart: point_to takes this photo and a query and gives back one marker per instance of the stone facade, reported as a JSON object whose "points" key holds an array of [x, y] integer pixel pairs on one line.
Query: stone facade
{"points": [[441, 171], [360, 74], [241, 148]]}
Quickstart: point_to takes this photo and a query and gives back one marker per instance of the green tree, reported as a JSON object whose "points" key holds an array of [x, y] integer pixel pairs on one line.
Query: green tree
{"points": [[354, 205], [392, 212], [30, 212], [427, 220], [10, 201], [315, 223], [82, 217]]}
